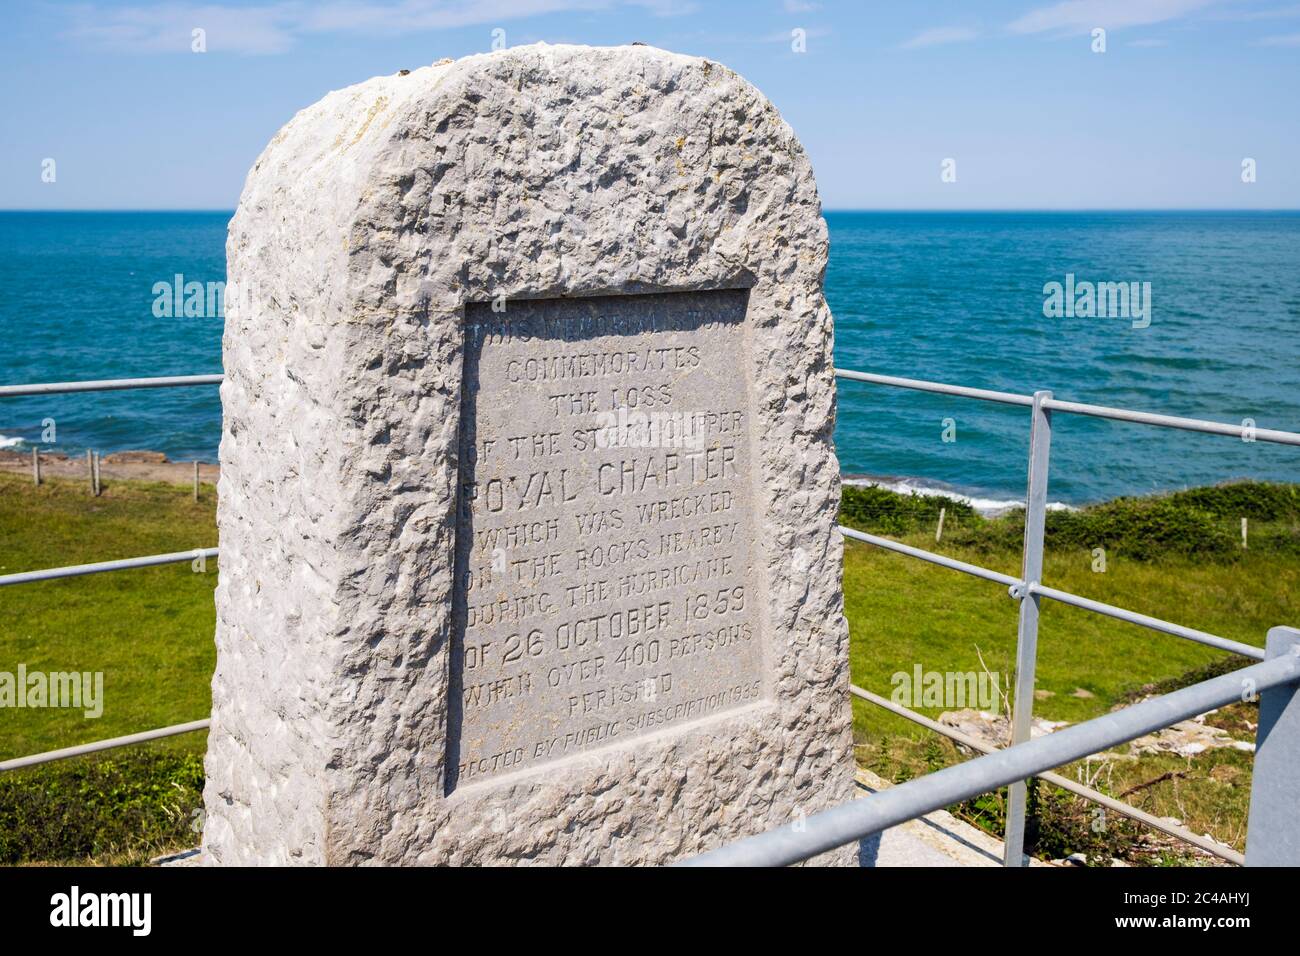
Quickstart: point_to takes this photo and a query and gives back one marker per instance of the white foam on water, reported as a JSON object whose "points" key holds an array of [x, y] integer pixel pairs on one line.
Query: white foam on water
{"points": [[989, 507], [6, 442]]}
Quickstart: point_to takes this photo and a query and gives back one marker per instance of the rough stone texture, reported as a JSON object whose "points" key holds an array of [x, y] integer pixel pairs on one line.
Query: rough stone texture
{"points": [[364, 229]]}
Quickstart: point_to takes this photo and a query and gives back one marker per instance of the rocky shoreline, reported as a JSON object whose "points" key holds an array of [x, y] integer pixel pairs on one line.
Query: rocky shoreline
{"points": [[121, 465]]}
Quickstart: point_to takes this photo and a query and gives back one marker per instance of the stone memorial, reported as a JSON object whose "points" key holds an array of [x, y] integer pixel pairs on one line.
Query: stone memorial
{"points": [[528, 491]]}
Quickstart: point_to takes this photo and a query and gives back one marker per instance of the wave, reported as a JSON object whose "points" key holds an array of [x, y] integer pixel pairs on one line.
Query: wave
{"points": [[927, 488], [7, 442]]}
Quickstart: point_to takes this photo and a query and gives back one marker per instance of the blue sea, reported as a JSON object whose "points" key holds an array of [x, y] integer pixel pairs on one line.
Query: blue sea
{"points": [[951, 297]]}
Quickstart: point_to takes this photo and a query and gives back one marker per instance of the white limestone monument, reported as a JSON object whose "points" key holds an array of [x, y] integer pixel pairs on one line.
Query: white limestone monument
{"points": [[528, 493]]}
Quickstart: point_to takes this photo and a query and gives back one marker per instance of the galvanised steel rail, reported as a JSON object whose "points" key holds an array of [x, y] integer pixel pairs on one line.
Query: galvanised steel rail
{"points": [[1244, 432], [939, 559], [1213, 847], [82, 749], [860, 818], [125, 564], [1028, 589], [1076, 408], [48, 574], [109, 385], [1153, 623], [1064, 597], [920, 385]]}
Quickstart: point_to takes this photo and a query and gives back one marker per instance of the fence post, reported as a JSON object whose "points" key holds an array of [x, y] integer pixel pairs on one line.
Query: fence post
{"points": [[1040, 444], [90, 469], [1273, 828], [196, 479], [938, 532], [36, 466]]}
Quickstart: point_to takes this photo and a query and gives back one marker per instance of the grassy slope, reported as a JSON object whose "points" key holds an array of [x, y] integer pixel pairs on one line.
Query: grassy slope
{"points": [[150, 632], [903, 611]]}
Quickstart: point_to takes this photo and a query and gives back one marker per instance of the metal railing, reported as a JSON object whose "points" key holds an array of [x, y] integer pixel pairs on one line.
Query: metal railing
{"points": [[122, 564], [1028, 589], [1272, 837], [1011, 767], [108, 385], [81, 750], [1209, 845]]}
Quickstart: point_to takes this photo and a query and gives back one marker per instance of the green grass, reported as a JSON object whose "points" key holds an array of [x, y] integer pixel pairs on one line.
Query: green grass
{"points": [[123, 807], [904, 612], [150, 633]]}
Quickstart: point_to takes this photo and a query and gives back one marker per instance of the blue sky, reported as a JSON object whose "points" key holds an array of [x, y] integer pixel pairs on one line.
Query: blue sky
{"points": [[885, 92]]}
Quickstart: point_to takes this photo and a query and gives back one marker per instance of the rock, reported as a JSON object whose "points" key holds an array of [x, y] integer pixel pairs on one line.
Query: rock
{"points": [[653, 226], [994, 729], [1188, 738], [135, 457]]}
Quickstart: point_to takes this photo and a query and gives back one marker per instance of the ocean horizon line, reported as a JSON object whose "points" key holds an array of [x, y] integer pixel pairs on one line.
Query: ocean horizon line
{"points": [[1015, 210]]}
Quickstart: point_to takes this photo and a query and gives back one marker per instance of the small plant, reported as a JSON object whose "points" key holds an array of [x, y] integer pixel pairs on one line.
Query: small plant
{"points": [[126, 807], [879, 510], [1201, 522]]}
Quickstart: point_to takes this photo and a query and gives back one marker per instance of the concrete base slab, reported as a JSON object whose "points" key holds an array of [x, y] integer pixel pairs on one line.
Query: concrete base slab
{"points": [[936, 839]]}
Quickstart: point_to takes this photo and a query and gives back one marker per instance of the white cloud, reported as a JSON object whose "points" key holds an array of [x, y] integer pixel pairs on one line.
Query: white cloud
{"points": [[1081, 16], [1271, 13], [1289, 39], [783, 36], [666, 8], [404, 16], [801, 6], [939, 36], [277, 26], [168, 27]]}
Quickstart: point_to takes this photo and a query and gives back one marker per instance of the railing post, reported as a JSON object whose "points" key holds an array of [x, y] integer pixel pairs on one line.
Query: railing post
{"points": [[1273, 827], [1040, 444]]}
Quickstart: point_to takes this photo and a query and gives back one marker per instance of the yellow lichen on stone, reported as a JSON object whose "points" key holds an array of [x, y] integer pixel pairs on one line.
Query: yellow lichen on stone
{"points": [[374, 111]]}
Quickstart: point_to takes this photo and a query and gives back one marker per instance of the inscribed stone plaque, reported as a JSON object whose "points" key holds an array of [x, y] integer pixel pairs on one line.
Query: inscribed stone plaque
{"points": [[606, 580], [558, 584]]}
